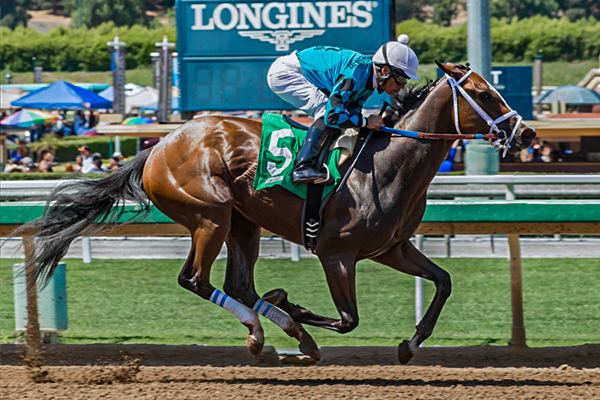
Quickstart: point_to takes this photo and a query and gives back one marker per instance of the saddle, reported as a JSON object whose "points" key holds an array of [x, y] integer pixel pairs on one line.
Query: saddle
{"points": [[312, 211]]}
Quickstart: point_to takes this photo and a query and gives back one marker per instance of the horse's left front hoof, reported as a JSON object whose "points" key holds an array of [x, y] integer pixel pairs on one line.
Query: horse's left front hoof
{"points": [[255, 344], [404, 352]]}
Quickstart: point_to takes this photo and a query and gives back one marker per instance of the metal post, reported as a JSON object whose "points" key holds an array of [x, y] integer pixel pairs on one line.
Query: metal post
{"points": [[118, 69], [34, 336], [537, 73], [86, 247], [479, 38], [516, 289], [155, 60], [166, 79], [419, 287], [295, 249]]}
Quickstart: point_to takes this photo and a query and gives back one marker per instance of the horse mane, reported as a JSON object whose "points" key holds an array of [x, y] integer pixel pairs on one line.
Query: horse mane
{"points": [[412, 97], [408, 99]]}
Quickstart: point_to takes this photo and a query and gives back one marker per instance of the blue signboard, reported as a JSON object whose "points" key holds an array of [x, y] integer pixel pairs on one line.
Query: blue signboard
{"points": [[226, 47], [514, 84]]}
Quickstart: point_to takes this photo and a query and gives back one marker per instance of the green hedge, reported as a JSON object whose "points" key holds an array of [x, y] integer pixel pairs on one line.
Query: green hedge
{"points": [[35, 176], [517, 40], [67, 150], [65, 49]]}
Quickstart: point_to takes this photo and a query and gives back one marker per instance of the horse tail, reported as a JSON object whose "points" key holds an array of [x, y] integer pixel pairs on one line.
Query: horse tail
{"points": [[83, 207]]}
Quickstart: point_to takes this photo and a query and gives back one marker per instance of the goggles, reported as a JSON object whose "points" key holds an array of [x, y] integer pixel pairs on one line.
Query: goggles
{"points": [[399, 77]]}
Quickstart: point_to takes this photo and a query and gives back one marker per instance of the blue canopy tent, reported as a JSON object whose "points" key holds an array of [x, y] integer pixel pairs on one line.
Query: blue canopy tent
{"points": [[570, 94], [62, 95], [108, 93]]}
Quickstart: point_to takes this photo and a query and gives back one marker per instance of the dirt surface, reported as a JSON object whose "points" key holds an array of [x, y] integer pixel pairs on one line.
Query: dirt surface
{"points": [[173, 372]]}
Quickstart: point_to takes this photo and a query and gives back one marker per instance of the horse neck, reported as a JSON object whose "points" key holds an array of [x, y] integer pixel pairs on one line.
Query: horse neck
{"points": [[434, 115]]}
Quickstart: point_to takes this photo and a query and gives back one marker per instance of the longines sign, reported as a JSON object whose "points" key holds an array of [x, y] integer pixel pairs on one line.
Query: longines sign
{"points": [[210, 32]]}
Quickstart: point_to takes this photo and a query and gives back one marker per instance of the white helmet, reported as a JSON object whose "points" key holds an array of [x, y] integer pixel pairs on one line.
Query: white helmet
{"points": [[398, 56]]}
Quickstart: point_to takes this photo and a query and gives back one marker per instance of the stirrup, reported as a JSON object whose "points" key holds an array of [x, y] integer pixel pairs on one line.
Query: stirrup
{"points": [[325, 181]]}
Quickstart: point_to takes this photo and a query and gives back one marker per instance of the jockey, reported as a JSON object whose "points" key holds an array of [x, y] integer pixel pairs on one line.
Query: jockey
{"points": [[331, 85]]}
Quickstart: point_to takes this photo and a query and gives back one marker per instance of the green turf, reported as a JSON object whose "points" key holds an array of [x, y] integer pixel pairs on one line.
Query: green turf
{"points": [[139, 301]]}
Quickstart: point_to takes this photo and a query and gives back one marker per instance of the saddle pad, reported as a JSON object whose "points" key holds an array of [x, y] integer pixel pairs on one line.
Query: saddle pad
{"points": [[278, 148]]}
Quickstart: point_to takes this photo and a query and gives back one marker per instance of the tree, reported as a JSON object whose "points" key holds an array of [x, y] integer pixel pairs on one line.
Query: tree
{"points": [[409, 9], [96, 12], [523, 8], [14, 13], [444, 11]]}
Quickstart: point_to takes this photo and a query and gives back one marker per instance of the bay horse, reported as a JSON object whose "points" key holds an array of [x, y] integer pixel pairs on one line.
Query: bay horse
{"points": [[201, 176]]}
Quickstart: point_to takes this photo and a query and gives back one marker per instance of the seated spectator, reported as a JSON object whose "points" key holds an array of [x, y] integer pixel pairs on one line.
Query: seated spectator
{"points": [[547, 153], [22, 150], [14, 165], [28, 165], [86, 160], [114, 163], [78, 163], [97, 161], [47, 162]]}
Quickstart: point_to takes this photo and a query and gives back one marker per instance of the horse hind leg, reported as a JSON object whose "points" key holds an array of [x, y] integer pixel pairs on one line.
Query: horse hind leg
{"points": [[207, 240], [243, 244]]}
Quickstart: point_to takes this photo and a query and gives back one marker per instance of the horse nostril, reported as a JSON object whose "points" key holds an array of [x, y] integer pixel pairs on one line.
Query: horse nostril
{"points": [[528, 133]]}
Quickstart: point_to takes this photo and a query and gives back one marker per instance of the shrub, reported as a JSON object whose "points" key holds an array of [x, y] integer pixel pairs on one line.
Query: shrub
{"points": [[517, 40]]}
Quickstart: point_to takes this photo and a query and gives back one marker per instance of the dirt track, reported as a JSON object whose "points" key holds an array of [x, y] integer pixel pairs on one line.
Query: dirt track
{"points": [[134, 377]]}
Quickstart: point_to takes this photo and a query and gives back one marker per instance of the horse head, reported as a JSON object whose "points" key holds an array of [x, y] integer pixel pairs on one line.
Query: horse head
{"points": [[479, 108]]}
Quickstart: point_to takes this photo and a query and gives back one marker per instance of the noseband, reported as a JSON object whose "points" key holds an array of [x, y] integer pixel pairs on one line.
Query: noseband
{"points": [[502, 142]]}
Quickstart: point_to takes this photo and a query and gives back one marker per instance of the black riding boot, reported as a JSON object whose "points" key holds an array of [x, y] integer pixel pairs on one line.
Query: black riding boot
{"points": [[305, 170]]}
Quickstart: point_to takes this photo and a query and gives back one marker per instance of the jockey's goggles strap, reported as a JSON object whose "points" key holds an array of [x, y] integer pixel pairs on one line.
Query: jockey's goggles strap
{"points": [[500, 143]]}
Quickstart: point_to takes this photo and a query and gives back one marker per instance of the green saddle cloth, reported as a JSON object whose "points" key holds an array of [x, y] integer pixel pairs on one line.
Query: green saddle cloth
{"points": [[278, 149]]}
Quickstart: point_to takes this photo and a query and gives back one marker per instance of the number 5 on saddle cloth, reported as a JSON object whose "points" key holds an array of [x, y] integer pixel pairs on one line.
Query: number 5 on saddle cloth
{"points": [[280, 144]]}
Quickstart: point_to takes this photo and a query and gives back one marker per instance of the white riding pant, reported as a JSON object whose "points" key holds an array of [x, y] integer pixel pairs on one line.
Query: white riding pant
{"points": [[286, 80]]}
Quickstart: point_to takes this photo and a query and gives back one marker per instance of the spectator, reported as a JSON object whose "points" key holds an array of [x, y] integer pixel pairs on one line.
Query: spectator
{"points": [[527, 155], [14, 165], [69, 167], [87, 163], [28, 165], [97, 161], [448, 163], [114, 163], [22, 150], [78, 163], [122, 159], [547, 153], [47, 162], [79, 124]]}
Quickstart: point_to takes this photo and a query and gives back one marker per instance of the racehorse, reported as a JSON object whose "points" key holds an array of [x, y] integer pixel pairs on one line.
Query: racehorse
{"points": [[201, 176]]}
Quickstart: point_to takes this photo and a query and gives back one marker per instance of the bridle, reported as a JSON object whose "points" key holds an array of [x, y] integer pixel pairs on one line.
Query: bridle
{"points": [[502, 141]]}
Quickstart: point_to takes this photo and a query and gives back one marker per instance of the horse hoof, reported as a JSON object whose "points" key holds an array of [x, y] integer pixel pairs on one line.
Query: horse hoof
{"points": [[309, 347], [275, 296], [255, 345], [404, 352]]}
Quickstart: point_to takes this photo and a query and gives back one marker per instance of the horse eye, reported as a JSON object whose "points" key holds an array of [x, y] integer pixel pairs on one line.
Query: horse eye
{"points": [[484, 96]]}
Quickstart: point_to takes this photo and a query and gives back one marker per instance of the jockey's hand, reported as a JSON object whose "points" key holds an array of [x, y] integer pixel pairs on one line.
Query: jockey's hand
{"points": [[374, 122]]}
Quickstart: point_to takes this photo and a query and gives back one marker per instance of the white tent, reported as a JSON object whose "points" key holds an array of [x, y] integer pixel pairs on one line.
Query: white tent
{"points": [[132, 88], [10, 95], [146, 96]]}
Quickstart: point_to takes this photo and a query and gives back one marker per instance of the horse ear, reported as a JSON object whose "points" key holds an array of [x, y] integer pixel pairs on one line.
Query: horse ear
{"points": [[450, 69]]}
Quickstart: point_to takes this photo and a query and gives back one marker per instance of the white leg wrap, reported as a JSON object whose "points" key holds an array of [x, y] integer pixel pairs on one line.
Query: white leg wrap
{"points": [[274, 314], [244, 314]]}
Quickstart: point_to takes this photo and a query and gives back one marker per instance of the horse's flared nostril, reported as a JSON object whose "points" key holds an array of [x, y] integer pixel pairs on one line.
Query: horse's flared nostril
{"points": [[528, 133]]}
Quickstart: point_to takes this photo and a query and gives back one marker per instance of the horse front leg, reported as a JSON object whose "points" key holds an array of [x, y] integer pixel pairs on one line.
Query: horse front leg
{"points": [[406, 258], [340, 271]]}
